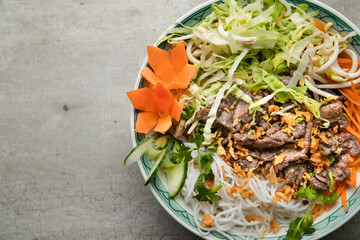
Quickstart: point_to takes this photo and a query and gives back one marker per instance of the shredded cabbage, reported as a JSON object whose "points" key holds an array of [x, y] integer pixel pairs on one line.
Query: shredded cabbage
{"points": [[254, 46]]}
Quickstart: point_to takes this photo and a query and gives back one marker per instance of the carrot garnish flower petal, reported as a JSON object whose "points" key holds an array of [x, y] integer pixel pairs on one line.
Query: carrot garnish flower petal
{"points": [[159, 107], [172, 70]]}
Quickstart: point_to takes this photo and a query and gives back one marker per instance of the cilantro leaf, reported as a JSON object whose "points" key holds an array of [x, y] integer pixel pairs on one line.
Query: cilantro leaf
{"points": [[312, 194], [188, 112], [299, 226], [183, 154], [197, 139], [307, 193], [331, 159], [206, 194], [203, 161], [327, 199], [205, 164]]}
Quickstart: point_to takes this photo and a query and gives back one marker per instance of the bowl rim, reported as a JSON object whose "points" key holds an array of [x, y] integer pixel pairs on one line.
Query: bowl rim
{"points": [[132, 114]]}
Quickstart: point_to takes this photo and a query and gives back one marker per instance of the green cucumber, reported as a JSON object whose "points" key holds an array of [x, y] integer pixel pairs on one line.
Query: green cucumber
{"points": [[138, 151], [170, 161], [176, 147], [176, 176], [158, 162], [160, 142]]}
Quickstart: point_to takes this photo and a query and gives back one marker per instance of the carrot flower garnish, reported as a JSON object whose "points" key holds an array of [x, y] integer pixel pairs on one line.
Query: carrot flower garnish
{"points": [[159, 108], [172, 70]]}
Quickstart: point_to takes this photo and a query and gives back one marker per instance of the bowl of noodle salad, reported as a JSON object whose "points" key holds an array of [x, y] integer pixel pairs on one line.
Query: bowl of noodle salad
{"points": [[247, 120]]}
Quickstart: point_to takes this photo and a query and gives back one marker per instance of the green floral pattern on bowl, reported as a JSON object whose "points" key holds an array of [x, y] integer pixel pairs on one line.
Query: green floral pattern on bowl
{"points": [[324, 226]]}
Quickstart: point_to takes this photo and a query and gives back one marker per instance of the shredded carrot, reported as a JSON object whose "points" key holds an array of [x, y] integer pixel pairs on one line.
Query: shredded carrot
{"points": [[319, 25], [343, 35], [351, 117], [349, 107], [355, 163], [357, 115], [321, 210], [328, 207], [353, 175], [279, 18], [353, 88], [348, 182], [318, 210], [352, 131], [341, 188], [348, 94], [345, 62], [343, 200]]}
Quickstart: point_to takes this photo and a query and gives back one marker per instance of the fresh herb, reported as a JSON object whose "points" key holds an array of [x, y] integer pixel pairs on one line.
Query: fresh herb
{"points": [[203, 162], [304, 225], [307, 193], [311, 174], [188, 112], [331, 185], [183, 154], [299, 119], [303, 6], [197, 139], [200, 127], [311, 194], [331, 159], [206, 194], [299, 226], [328, 199]]}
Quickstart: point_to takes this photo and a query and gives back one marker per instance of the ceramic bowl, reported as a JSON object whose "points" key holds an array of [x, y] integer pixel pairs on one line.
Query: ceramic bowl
{"points": [[324, 225]]}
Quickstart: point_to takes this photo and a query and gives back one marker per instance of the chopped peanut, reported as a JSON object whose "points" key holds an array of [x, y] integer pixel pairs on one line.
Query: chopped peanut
{"points": [[301, 143], [237, 170], [323, 138], [207, 221], [274, 225], [259, 132], [285, 193], [289, 119], [271, 176], [279, 159], [251, 218], [314, 145], [273, 108]]}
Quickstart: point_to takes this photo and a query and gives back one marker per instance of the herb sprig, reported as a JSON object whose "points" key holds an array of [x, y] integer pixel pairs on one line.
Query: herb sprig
{"points": [[203, 161], [304, 225]]}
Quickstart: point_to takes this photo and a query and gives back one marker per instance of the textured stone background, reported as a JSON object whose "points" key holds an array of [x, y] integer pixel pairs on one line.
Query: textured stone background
{"points": [[64, 119]]}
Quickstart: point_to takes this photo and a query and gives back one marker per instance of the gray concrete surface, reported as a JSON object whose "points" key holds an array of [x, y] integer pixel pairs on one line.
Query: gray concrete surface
{"points": [[64, 119]]}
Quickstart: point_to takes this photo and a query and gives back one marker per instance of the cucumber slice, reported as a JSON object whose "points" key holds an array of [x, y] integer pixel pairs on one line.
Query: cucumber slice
{"points": [[139, 150], [176, 148], [170, 161], [160, 142], [167, 163], [158, 162], [176, 177]]}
